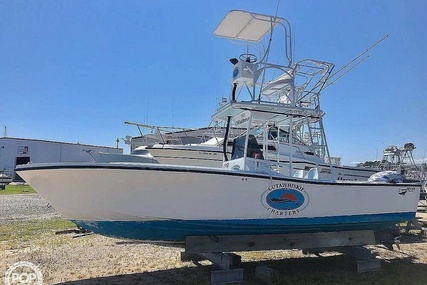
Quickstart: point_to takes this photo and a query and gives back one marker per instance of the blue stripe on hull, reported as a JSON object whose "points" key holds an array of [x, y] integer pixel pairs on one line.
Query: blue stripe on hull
{"points": [[177, 230]]}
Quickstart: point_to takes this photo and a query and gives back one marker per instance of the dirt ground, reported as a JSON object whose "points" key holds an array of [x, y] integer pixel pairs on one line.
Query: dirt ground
{"points": [[94, 259]]}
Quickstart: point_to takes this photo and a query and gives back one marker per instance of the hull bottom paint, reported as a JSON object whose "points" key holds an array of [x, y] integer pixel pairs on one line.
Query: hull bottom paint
{"points": [[177, 230]]}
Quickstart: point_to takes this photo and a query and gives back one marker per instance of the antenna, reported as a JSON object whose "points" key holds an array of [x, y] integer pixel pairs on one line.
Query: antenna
{"points": [[172, 111], [277, 9], [148, 105]]}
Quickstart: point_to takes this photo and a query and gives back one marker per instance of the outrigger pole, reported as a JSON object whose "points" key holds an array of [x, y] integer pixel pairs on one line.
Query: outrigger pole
{"points": [[342, 69]]}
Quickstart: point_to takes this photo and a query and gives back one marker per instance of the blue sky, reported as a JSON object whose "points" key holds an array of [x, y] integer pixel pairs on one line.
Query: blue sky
{"points": [[74, 71]]}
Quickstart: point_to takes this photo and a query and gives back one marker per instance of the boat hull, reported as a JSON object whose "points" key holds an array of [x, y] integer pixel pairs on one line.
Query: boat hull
{"points": [[165, 202]]}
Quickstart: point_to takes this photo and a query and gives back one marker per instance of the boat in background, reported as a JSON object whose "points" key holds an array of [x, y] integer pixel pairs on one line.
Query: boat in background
{"points": [[249, 195], [139, 155], [210, 154], [166, 145], [152, 134], [402, 161], [181, 146], [4, 180]]}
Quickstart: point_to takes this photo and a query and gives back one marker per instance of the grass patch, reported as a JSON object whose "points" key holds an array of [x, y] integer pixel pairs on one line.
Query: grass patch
{"points": [[32, 229], [17, 189]]}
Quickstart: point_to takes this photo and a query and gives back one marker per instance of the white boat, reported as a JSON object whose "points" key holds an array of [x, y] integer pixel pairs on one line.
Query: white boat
{"points": [[401, 160], [250, 194], [167, 202], [4, 180], [138, 155], [210, 154], [204, 147], [153, 134]]}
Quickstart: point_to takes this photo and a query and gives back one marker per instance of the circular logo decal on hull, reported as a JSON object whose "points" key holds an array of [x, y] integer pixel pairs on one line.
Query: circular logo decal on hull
{"points": [[285, 199]]}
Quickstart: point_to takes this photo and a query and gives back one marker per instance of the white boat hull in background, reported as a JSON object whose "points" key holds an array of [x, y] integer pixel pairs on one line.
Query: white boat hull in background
{"points": [[194, 155], [211, 156]]}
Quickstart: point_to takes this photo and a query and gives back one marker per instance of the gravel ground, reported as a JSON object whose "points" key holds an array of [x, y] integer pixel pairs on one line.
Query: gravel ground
{"points": [[22, 207]]}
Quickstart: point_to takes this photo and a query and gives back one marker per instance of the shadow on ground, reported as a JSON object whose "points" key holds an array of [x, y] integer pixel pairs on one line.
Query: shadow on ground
{"points": [[413, 237]]}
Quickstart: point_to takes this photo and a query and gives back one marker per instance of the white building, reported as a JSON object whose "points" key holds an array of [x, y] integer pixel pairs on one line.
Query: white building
{"points": [[16, 151]]}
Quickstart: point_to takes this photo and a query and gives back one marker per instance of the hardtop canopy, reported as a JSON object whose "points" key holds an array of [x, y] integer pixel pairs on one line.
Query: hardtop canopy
{"points": [[248, 26]]}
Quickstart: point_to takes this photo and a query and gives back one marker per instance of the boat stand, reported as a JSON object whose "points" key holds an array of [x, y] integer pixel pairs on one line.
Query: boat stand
{"points": [[223, 261], [215, 248]]}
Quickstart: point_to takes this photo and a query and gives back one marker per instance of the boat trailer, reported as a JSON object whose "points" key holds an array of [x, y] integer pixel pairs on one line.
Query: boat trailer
{"points": [[217, 249]]}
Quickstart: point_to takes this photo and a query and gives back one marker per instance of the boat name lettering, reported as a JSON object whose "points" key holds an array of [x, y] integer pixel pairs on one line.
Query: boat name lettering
{"points": [[244, 120], [286, 185], [207, 153], [283, 213], [402, 191]]}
